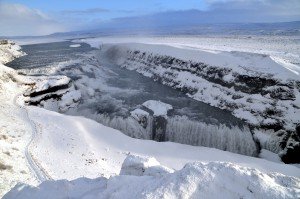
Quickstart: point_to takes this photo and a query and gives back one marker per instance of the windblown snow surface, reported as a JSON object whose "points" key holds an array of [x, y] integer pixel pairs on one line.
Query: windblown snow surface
{"points": [[86, 159]]}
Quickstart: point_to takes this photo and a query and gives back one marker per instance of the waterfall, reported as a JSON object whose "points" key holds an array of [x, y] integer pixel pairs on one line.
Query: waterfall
{"points": [[182, 130], [234, 139]]}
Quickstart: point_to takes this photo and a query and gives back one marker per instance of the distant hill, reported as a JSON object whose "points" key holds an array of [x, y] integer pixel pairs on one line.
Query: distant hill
{"points": [[282, 28]]}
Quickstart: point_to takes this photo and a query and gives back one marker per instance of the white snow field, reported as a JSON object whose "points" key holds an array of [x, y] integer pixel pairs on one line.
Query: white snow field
{"points": [[15, 131], [72, 148], [284, 48]]}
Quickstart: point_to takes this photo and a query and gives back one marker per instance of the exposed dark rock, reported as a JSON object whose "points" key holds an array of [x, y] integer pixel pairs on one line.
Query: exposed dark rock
{"points": [[291, 152], [159, 128], [44, 98], [49, 90]]}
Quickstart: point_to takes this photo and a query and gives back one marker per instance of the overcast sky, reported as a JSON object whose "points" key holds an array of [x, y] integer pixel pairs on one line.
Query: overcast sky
{"points": [[41, 17]]}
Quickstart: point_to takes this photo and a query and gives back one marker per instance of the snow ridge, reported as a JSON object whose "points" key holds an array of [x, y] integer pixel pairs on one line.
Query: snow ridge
{"points": [[144, 177]]}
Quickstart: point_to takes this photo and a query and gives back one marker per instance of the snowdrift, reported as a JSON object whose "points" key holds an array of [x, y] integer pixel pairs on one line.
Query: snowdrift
{"points": [[144, 177]]}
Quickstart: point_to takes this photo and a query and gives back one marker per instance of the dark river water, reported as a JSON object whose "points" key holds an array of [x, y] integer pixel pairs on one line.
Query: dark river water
{"points": [[118, 90]]}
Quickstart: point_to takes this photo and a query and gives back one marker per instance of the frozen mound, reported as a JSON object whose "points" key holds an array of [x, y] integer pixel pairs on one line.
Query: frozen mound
{"points": [[195, 180], [138, 166], [159, 108]]}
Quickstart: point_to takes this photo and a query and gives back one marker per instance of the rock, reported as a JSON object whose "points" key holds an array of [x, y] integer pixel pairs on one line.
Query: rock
{"points": [[140, 116], [159, 127], [52, 92], [291, 151]]}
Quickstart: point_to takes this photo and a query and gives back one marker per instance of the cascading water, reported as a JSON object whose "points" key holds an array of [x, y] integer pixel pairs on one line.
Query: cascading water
{"points": [[182, 130]]}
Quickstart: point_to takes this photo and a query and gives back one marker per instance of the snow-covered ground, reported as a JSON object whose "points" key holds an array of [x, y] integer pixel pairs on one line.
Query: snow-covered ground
{"points": [[9, 51], [283, 47], [76, 148], [84, 148], [15, 131], [144, 177]]}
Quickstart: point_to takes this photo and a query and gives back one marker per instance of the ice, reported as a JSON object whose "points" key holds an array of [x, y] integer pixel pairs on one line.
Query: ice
{"points": [[234, 139], [75, 45]]}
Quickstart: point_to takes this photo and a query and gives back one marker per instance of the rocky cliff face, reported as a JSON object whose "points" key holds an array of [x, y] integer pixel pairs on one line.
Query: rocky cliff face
{"points": [[53, 92], [262, 100]]}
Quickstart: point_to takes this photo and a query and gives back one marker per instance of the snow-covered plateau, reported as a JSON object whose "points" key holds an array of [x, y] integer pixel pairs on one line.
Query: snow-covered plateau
{"points": [[46, 154]]}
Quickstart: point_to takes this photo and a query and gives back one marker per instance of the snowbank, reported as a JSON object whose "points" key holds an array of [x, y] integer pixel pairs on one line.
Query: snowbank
{"points": [[139, 166], [15, 132], [9, 51], [194, 180]]}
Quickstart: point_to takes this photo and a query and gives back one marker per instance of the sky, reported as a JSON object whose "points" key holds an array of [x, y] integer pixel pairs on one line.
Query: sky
{"points": [[42, 17]]}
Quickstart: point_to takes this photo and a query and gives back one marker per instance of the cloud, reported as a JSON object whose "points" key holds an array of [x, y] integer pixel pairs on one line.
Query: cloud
{"points": [[86, 11], [17, 20], [269, 9]]}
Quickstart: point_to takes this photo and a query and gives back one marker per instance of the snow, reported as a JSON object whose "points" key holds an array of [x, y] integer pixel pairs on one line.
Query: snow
{"points": [[9, 52], [139, 166], [75, 45], [138, 114], [42, 83], [159, 108], [268, 155], [272, 55], [76, 149], [69, 99], [15, 132], [83, 146], [194, 180], [39, 40]]}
